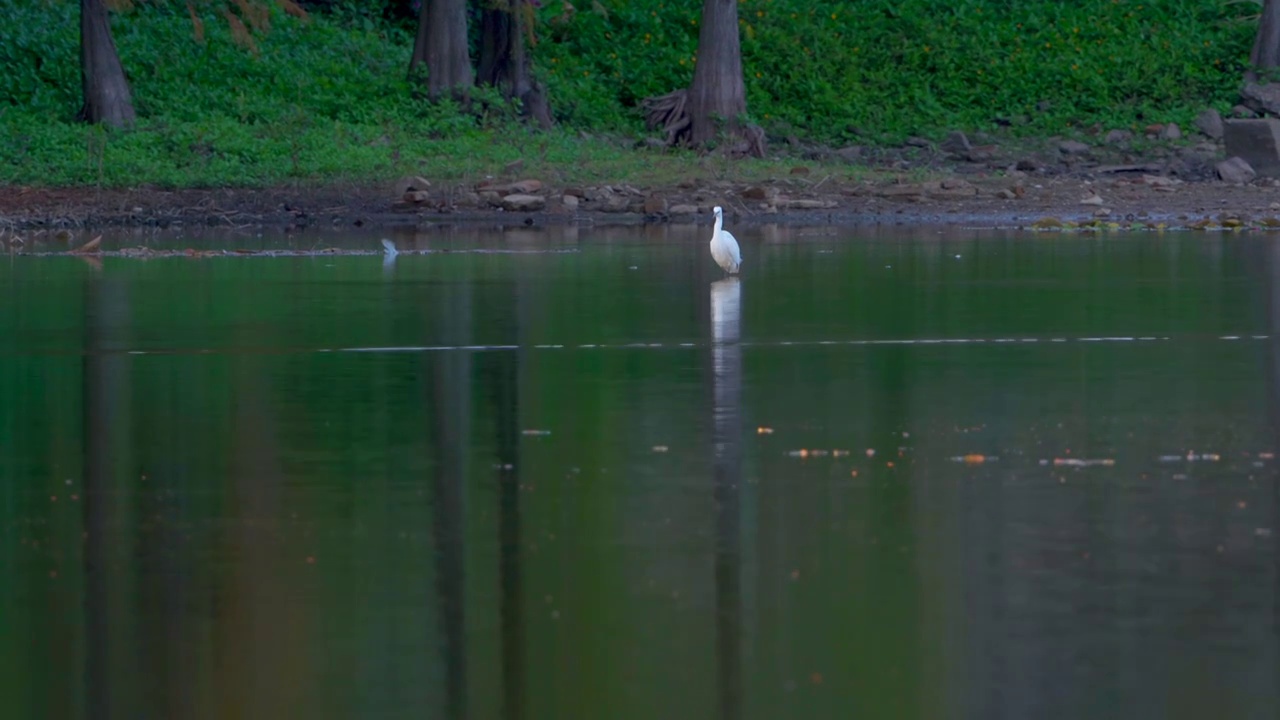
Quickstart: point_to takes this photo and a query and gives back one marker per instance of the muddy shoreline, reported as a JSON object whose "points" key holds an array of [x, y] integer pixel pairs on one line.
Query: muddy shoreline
{"points": [[998, 202]]}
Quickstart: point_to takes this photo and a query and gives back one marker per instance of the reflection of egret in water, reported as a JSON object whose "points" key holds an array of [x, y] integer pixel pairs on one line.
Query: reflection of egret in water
{"points": [[450, 400], [726, 364], [388, 256]]}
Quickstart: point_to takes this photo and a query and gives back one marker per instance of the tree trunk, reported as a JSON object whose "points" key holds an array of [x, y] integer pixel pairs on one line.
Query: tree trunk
{"points": [[1266, 44], [504, 64], [717, 93], [442, 46], [106, 90]]}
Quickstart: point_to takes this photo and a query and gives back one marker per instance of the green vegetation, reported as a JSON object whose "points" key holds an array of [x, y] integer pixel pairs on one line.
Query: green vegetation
{"points": [[329, 100]]}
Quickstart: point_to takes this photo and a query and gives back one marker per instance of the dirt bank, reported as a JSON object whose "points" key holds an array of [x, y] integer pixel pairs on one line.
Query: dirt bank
{"points": [[1020, 200]]}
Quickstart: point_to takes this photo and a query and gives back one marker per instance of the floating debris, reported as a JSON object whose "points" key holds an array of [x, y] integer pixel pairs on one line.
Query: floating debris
{"points": [[764, 430], [839, 453], [535, 433], [1191, 457], [1262, 532], [871, 452], [973, 459], [660, 448], [1080, 462]]}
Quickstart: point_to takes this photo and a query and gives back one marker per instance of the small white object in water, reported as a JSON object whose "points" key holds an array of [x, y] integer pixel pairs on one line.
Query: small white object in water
{"points": [[390, 247]]}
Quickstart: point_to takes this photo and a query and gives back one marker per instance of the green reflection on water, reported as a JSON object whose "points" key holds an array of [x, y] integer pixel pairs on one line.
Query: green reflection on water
{"points": [[251, 521]]}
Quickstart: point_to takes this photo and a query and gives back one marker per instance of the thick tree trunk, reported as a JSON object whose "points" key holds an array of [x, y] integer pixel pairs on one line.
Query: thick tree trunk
{"points": [[441, 46], [106, 90], [1266, 44], [504, 64], [717, 93]]}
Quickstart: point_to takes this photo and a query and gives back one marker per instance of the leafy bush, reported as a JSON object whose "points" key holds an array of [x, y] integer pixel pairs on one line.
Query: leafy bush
{"points": [[832, 69], [330, 97]]}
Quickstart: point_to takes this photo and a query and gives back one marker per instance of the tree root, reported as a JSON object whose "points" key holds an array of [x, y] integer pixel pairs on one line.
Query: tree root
{"points": [[670, 113]]}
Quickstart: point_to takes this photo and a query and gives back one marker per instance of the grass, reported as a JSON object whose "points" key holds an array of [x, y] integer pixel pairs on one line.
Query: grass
{"points": [[225, 153], [329, 101]]}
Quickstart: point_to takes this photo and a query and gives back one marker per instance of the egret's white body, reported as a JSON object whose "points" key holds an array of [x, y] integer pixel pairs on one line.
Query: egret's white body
{"points": [[724, 247]]}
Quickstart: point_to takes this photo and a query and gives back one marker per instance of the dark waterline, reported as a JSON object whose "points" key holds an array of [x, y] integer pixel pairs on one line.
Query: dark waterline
{"points": [[884, 474]]}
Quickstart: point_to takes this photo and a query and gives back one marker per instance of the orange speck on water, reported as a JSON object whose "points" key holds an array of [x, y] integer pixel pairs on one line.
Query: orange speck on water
{"points": [[853, 473], [1242, 504], [889, 464], [975, 459], [816, 678], [795, 574], [764, 430], [311, 559], [871, 452]]}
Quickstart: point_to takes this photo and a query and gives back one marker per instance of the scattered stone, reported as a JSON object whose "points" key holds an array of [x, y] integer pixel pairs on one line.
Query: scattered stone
{"points": [[799, 170], [1006, 194], [1026, 165], [616, 204], [687, 184], [1235, 170], [807, 204], [654, 143], [415, 183], [851, 154], [1171, 132], [1209, 122], [519, 202], [1159, 181], [655, 205], [1257, 142], [1243, 113], [1261, 97], [513, 167], [570, 202], [951, 188], [1072, 147], [1113, 169], [576, 192], [684, 210], [527, 187], [917, 142], [417, 197], [957, 145], [1102, 213], [981, 153], [758, 192], [1118, 137], [1092, 200], [491, 198], [901, 191], [1046, 223]]}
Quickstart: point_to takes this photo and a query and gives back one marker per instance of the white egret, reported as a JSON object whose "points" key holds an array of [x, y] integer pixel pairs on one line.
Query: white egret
{"points": [[724, 248]]}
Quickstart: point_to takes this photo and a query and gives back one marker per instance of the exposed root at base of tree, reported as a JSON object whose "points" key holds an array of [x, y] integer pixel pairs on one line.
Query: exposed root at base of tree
{"points": [[670, 113]]}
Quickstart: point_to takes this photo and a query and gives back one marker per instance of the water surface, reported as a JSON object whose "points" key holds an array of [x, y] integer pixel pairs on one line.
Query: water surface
{"points": [[576, 473]]}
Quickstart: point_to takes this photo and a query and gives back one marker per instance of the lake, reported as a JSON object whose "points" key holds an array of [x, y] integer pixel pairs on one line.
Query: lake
{"points": [[577, 473]]}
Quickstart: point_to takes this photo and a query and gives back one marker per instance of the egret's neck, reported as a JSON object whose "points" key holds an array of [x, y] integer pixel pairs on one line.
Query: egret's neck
{"points": [[719, 225]]}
